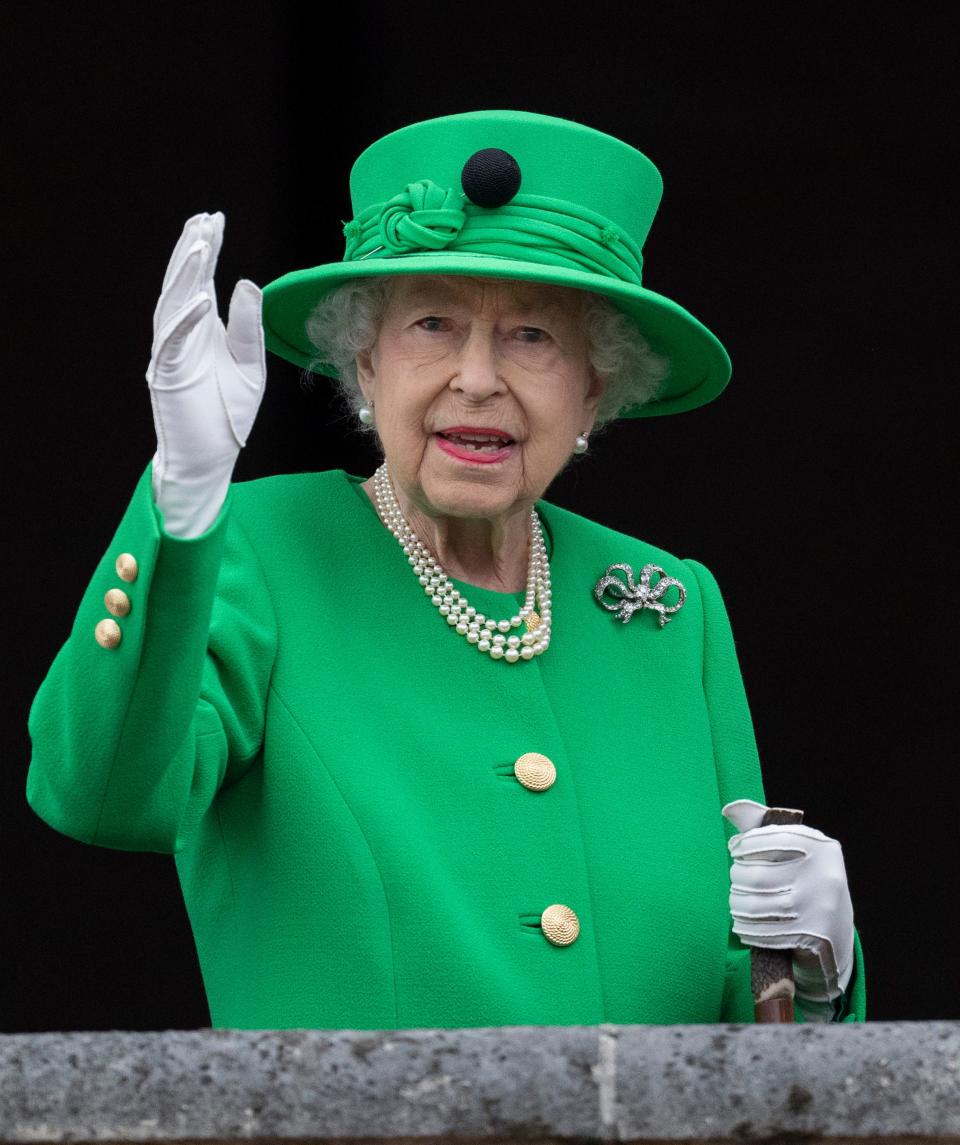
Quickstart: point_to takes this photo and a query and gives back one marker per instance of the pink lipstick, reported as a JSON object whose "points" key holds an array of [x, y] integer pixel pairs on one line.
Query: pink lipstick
{"points": [[482, 445]]}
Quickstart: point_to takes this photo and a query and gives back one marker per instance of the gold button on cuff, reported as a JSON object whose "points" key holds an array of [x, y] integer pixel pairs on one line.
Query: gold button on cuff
{"points": [[535, 771], [127, 567], [560, 925], [117, 602], [108, 633]]}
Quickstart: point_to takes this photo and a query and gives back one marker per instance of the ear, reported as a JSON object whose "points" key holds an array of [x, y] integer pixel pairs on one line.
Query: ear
{"points": [[591, 400], [366, 375]]}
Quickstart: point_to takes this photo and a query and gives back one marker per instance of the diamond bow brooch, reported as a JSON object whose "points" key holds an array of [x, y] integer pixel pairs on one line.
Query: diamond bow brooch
{"points": [[629, 597]]}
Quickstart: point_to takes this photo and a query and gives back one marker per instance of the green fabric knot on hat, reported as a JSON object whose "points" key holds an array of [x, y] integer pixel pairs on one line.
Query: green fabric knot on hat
{"points": [[423, 216], [426, 217]]}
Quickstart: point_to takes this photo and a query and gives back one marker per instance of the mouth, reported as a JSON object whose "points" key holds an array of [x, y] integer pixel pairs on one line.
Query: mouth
{"points": [[469, 443]]}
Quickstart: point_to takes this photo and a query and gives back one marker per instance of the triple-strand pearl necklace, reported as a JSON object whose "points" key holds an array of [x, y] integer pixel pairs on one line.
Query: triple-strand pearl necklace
{"points": [[497, 638]]}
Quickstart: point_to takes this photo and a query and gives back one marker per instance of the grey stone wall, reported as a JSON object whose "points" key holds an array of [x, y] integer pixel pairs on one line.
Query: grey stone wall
{"points": [[897, 1082]]}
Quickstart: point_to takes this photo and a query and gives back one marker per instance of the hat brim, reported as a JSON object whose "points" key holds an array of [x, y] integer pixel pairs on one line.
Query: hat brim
{"points": [[699, 364]]}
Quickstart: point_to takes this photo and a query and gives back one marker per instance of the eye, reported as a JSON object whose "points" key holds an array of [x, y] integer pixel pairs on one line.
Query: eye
{"points": [[531, 335], [429, 318]]}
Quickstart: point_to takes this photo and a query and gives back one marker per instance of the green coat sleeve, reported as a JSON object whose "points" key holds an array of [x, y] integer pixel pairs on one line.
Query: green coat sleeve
{"points": [[131, 744], [739, 777]]}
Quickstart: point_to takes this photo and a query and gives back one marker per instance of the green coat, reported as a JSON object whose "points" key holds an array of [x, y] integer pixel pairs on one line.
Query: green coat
{"points": [[331, 767]]}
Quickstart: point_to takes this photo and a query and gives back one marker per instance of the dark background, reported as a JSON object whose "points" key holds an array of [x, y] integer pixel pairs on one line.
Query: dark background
{"points": [[807, 220]]}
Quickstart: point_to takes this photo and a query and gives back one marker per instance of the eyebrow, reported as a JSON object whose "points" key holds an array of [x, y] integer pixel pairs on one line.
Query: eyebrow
{"points": [[444, 292]]}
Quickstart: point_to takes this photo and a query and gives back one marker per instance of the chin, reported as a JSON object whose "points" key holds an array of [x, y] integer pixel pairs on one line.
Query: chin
{"points": [[464, 505], [470, 495]]}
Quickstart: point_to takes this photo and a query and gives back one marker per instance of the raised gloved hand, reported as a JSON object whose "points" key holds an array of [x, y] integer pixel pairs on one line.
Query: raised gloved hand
{"points": [[206, 382], [788, 891]]}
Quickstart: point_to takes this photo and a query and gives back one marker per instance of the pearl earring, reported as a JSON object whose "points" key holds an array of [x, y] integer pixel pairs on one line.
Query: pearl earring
{"points": [[580, 445], [365, 414]]}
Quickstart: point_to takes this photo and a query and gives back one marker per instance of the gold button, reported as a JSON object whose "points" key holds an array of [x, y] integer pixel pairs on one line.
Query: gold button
{"points": [[560, 924], [535, 771], [108, 633], [127, 567], [117, 602]]}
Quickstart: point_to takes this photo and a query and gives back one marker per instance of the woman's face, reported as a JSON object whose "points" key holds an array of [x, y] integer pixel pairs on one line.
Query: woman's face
{"points": [[479, 389]]}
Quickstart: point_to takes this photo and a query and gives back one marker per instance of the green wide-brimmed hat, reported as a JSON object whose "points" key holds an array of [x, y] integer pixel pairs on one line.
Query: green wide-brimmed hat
{"points": [[509, 194]]}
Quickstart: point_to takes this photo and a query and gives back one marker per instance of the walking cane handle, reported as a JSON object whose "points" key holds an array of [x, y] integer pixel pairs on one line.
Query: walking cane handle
{"points": [[771, 971]]}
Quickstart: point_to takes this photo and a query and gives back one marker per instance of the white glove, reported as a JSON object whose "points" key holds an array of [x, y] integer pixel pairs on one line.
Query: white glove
{"points": [[788, 891], [205, 382]]}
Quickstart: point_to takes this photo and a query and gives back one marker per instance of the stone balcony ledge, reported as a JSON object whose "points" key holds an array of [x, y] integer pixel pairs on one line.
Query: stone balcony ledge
{"points": [[890, 1082]]}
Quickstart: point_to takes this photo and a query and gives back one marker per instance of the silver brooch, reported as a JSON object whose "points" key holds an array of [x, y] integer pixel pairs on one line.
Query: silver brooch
{"points": [[629, 597]]}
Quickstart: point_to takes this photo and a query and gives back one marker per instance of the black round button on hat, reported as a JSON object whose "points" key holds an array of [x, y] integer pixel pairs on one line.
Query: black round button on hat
{"points": [[490, 177]]}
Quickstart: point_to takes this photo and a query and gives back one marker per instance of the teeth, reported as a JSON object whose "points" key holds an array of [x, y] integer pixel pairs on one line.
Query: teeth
{"points": [[480, 438]]}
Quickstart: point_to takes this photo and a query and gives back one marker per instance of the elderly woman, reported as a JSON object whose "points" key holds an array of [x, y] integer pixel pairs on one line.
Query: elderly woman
{"points": [[427, 749]]}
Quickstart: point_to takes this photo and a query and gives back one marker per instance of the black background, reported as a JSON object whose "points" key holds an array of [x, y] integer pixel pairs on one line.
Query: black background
{"points": [[807, 220]]}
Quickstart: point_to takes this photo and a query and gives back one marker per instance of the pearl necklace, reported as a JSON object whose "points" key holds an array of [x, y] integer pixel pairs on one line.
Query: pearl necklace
{"points": [[495, 637]]}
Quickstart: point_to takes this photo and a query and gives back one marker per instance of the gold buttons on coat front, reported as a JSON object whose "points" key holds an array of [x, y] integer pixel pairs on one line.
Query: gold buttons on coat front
{"points": [[535, 771], [560, 925], [117, 602], [108, 633], [127, 567]]}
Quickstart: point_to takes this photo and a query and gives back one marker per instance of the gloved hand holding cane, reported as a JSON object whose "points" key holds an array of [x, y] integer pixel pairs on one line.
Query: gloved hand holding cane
{"points": [[206, 382], [788, 892]]}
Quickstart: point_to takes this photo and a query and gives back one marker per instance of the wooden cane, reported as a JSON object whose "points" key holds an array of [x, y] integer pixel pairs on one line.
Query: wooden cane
{"points": [[771, 971]]}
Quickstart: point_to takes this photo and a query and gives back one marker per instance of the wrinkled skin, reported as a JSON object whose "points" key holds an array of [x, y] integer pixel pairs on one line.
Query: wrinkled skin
{"points": [[484, 354]]}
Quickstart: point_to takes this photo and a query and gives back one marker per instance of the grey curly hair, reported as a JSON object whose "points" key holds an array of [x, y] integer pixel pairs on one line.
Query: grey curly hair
{"points": [[347, 320]]}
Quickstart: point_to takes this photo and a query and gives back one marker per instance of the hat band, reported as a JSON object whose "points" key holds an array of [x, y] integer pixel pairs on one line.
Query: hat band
{"points": [[530, 228]]}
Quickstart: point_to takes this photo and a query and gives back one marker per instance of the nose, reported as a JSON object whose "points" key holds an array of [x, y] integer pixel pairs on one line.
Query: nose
{"points": [[477, 376]]}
